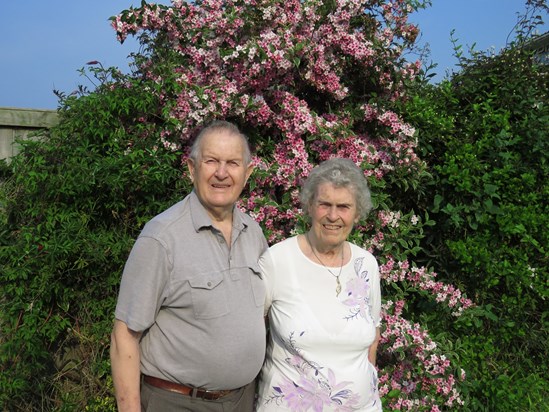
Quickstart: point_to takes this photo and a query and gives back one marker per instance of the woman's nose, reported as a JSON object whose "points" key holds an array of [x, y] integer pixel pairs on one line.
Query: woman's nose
{"points": [[332, 213]]}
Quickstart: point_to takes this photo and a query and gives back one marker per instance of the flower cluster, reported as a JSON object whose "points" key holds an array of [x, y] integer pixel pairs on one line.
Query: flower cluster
{"points": [[423, 279], [410, 342]]}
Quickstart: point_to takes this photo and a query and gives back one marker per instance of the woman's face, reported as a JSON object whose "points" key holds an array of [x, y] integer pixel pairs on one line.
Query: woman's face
{"points": [[333, 215]]}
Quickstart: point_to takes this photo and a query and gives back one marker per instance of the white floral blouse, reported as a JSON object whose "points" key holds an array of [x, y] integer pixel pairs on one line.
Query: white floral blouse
{"points": [[317, 354]]}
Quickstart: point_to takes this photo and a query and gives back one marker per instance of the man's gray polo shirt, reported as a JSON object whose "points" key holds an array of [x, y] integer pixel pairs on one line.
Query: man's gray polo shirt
{"points": [[199, 303]]}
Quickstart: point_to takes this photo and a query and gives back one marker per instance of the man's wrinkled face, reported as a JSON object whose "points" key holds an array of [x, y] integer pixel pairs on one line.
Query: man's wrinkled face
{"points": [[220, 173]]}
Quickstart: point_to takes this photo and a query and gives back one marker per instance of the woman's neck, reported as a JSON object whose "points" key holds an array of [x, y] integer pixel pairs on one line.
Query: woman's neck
{"points": [[329, 255]]}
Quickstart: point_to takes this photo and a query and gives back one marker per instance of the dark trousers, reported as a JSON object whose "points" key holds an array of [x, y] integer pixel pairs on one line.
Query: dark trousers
{"points": [[160, 400]]}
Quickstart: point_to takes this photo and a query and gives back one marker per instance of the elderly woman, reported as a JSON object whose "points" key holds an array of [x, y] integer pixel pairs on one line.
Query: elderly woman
{"points": [[323, 303]]}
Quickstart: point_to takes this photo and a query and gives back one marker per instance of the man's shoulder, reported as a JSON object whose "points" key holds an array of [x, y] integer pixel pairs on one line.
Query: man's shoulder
{"points": [[251, 232], [246, 219], [175, 215]]}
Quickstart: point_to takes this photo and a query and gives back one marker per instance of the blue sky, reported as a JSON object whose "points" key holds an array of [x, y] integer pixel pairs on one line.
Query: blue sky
{"points": [[43, 43]]}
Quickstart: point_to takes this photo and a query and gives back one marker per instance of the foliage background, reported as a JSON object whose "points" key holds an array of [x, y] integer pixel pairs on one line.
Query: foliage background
{"points": [[485, 134], [458, 172]]}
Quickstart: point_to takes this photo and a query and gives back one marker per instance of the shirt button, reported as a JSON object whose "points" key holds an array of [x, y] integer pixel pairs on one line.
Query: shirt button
{"points": [[209, 284], [221, 240]]}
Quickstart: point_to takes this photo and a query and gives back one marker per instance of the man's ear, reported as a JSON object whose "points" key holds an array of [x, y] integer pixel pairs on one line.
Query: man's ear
{"points": [[190, 165], [249, 171]]}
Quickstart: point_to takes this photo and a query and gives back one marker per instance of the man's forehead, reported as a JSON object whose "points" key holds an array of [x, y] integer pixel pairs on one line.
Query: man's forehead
{"points": [[213, 137]]}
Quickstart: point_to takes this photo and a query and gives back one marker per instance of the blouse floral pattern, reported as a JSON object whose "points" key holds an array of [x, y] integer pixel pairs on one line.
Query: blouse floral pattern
{"points": [[316, 388]]}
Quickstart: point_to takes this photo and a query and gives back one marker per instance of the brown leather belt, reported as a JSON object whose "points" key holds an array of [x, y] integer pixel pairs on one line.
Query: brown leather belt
{"points": [[186, 390]]}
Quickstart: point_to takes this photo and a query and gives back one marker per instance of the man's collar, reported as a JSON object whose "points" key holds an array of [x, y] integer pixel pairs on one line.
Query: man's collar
{"points": [[201, 219]]}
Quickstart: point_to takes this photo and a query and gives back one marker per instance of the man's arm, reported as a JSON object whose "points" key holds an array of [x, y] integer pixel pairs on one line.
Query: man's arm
{"points": [[125, 362], [372, 350]]}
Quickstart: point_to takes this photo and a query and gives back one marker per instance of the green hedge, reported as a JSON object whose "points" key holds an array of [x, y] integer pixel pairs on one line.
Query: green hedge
{"points": [[484, 133]]}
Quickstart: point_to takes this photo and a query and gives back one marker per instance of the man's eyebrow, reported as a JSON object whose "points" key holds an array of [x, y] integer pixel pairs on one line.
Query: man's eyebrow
{"points": [[334, 203]]}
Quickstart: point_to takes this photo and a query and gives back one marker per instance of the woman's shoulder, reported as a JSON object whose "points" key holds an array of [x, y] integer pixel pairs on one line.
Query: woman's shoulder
{"points": [[277, 258], [363, 254], [284, 245]]}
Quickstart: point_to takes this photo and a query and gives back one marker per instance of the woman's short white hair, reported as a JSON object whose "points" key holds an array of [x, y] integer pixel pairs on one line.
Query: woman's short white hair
{"points": [[340, 173]]}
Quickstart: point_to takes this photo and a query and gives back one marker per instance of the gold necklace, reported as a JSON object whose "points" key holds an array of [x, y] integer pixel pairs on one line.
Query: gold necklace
{"points": [[338, 283]]}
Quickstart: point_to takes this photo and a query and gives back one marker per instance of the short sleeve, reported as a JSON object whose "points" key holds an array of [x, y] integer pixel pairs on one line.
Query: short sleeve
{"points": [[375, 295], [144, 284], [267, 273]]}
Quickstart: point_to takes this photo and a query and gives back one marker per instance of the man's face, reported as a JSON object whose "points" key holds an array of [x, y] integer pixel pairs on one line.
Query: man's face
{"points": [[219, 173]]}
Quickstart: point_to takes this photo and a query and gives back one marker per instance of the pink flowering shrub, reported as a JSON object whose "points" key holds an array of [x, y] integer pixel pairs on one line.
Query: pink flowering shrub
{"points": [[307, 81], [414, 365]]}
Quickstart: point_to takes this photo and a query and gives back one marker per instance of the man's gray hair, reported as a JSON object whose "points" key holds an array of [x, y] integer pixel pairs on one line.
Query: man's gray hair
{"points": [[342, 173], [217, 126]]}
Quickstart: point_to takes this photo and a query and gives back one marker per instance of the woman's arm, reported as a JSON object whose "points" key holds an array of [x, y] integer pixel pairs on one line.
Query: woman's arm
{"points": [[372, 350]]}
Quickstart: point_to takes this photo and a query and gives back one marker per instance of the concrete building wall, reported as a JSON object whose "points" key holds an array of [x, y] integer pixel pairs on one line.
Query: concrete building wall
{"points": [[22, 124]]}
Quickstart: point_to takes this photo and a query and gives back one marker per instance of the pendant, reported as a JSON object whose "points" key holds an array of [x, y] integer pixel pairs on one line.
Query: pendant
{"points": [[338, 287]]}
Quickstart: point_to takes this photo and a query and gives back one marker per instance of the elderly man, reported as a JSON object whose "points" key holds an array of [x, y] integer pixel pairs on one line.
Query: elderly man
{"points": [[189, 332]]}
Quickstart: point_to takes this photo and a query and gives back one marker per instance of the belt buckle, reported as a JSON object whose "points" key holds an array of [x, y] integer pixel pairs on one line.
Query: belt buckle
{"points": [[194, 392], [205, 395], [199, 393]]}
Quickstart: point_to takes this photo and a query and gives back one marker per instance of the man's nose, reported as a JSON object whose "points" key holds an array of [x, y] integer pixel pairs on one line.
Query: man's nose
{"points": [[221, 171]]}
